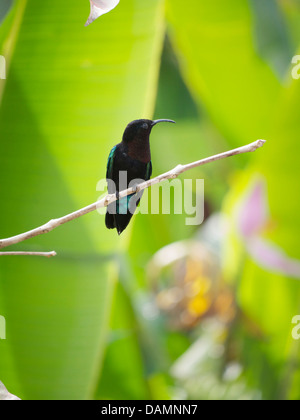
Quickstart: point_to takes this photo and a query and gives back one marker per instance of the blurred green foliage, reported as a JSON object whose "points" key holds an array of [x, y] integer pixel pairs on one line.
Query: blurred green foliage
{"points": [[98, 321]]}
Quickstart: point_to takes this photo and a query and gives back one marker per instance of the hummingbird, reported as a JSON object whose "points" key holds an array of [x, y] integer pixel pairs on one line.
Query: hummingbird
{"points": [[129, 163]]}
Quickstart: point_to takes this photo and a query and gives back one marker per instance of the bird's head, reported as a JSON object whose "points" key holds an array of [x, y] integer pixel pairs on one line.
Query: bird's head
{"points": [[140, 129]]}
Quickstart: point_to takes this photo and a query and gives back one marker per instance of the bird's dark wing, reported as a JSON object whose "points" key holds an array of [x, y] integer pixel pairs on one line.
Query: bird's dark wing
{"points": [[109, 168], [110, 217], [126, 206], [148, 171], [119, 214]]}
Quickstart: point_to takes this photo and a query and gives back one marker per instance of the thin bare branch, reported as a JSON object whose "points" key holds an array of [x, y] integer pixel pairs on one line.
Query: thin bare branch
{"points": [[33, 254], [110, 198]]}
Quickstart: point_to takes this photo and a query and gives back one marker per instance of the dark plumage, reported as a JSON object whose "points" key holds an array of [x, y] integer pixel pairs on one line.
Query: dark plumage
{"points": [[131, 157]]}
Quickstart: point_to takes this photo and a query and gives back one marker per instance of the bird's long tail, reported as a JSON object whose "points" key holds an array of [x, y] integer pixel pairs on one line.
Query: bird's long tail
{"points": [[110, 220], [119, 214]]}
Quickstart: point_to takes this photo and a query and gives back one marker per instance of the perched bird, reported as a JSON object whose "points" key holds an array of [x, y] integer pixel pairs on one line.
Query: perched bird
{"points": [[129, 162]]}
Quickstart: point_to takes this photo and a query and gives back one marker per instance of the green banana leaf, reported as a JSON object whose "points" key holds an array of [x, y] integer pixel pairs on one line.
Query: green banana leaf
{"points": [[69, 93], [219, 60]]}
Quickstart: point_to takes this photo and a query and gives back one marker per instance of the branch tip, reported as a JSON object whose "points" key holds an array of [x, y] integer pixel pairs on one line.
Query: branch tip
{"points": [[261, 142], [30, 254]]}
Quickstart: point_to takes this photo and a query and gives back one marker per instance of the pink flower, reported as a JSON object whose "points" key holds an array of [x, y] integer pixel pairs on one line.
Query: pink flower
{"points": [[252, 220]]}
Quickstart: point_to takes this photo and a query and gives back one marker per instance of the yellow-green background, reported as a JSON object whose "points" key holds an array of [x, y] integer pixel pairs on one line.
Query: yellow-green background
{"points": [[222, 70]]}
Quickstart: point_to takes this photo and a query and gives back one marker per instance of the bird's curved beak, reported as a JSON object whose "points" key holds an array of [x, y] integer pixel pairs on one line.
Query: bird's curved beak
{"points": [[159, 121]]}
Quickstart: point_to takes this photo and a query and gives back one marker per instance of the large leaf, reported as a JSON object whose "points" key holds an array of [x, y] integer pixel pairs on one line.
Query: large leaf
{"points": [[74, 89], [215, 43]]}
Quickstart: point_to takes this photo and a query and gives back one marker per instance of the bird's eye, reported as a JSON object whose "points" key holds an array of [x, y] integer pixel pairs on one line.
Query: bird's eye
{"points": [[145, 126]]}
